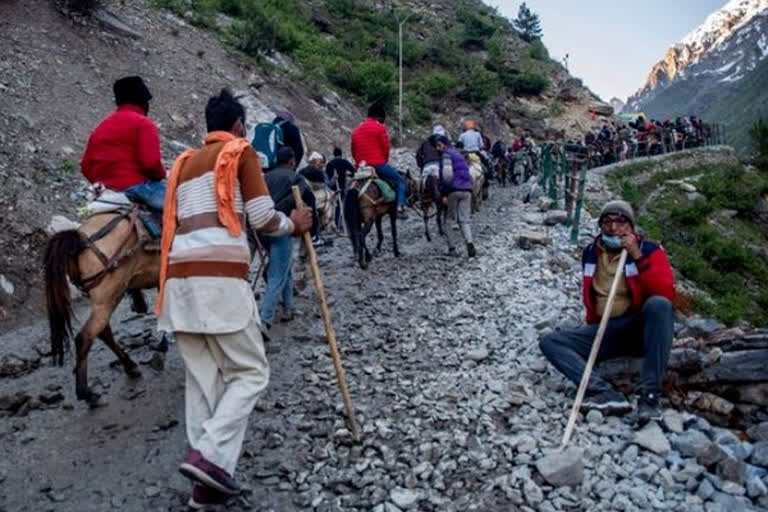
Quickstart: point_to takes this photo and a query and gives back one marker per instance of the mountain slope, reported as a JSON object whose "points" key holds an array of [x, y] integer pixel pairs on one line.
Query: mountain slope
{"points": [[56, 74], [715, 72], [728, 44]]}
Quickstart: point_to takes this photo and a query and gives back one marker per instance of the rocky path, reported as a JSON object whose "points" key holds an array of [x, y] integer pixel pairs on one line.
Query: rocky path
{"points": [[455, 402]]}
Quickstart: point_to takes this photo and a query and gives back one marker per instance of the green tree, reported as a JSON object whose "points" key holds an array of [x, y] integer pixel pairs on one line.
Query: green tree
{"points": [[759, 134], [527, 22]]}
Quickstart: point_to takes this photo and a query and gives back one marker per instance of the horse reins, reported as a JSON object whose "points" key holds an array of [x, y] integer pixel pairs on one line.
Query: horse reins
{"points": [[110, 263]]}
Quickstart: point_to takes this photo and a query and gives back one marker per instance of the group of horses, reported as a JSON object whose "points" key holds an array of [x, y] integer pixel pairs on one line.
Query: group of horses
{"points": [[111, 255]]}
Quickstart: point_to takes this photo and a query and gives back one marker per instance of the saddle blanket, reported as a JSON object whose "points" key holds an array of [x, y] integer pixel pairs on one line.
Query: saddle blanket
{"points": [[107, 201]]}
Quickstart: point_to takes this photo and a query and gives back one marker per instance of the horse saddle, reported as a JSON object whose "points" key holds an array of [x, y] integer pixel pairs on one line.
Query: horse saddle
{"points": [[367, 175], [112, 201]]}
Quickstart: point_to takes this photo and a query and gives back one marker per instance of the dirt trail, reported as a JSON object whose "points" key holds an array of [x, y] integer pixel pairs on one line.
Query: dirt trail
{"points": [[124, 455]]}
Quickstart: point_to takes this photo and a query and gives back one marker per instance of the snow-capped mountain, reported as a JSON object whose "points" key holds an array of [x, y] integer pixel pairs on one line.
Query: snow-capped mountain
{"points": [[725, 48]]}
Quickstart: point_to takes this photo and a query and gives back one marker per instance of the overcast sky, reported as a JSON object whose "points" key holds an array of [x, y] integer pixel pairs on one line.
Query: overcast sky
{"points": [[613, 43]]}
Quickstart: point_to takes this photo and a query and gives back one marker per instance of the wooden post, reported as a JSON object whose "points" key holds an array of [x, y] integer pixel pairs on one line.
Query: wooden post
{"points": [[328, 325], [595, 349]]}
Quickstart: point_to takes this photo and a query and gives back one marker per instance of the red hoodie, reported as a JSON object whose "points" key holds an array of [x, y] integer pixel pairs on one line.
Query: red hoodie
{"points": [[370, 143], [650, 275], [123, 150]]}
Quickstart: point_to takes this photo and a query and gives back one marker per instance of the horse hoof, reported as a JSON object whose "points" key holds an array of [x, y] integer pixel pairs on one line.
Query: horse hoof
{"points": [[133, 371], [96, 402]]}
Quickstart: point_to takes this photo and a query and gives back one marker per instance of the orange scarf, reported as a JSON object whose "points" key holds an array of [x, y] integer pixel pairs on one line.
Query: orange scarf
{"points": [[224, 178]]}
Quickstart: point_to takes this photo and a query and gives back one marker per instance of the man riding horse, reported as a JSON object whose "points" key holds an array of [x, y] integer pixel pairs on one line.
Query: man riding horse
{"points": [[370, 144], [123, 152]]}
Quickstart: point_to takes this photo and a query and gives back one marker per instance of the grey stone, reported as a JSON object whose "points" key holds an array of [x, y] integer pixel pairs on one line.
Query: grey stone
{"points": [[532, 492], [594, 417], [630, 454], [759, 432], [673, 421], [652, 438], [725, 437], [555, 217], [691, 470], [733, 470], [687, 187], [756, 488], [760, 454], [562, 468], [404, 498], [756, 471], [733, 488], [690, 443], [478, 354], [6, 285], [705, 490], [152, 491], [711, 455], [704, 326], [741, 451], [731, 502], [532, 239], [545, 203]]}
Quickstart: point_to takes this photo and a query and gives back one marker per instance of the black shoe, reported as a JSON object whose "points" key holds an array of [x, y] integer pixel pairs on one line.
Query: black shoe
{"points": [[648, 408], [264, 329], [452, 252], [607, 402], [471, 250]]}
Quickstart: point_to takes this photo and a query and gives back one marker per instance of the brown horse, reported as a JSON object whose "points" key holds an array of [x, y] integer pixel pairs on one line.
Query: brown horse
{"points": [[501, 170], [361, 211], [106, 256], [428, 196]]}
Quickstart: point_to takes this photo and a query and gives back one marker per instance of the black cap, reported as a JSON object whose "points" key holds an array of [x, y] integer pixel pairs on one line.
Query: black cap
{"points": [[377, 110], [131, 90]]}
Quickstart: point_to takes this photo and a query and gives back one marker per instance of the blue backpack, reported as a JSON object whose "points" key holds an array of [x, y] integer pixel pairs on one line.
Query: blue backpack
{"points": [[267, 139]]}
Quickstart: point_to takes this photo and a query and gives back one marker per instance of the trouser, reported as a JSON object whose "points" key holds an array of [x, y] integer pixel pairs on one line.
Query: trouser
{"points": [[279, 286], [224, 375], [339, 208], [151, 193], [459, 208], [389, 173], [646, 333]]}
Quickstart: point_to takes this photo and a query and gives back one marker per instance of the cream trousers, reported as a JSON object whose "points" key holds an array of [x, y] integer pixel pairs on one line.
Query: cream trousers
{"points": [[225, 374]]}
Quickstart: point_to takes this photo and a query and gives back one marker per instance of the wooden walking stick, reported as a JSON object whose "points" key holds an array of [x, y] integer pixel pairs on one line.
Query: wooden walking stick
{"points": [[595, 349], [328, 325]]}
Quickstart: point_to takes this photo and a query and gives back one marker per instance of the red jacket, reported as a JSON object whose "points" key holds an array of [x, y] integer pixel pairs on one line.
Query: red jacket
{"points": [[370, 143], [123, 150], [651, 275]]}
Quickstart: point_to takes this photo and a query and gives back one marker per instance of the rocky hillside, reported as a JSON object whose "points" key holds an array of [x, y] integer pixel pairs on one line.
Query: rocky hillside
{"points": [[57, 67], [716, 72]]}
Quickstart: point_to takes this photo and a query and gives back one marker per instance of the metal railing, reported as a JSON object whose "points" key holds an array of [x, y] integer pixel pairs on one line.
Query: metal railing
{"points": [[563, 167]]}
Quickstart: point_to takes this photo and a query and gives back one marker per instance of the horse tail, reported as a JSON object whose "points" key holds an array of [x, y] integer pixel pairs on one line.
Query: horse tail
{"points": [[58, 265], [352, 214]]}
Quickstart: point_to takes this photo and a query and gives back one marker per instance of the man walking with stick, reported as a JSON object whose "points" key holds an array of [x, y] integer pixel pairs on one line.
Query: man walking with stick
{"points": [[204, 296], [640, 319]]}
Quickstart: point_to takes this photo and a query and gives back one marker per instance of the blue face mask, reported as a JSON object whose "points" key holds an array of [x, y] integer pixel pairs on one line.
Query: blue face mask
{"points": [[611, 242]]}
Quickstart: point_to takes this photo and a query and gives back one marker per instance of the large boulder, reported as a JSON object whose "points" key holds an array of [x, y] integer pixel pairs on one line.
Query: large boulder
{"points": [[570, 90], [601, 109]]}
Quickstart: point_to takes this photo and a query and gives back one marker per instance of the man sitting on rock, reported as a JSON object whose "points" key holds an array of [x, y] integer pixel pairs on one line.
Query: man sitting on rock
{"points": [[641, 319]]}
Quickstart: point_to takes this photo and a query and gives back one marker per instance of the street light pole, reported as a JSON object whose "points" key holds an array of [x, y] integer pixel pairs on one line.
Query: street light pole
{"points": [[400, 66]]}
